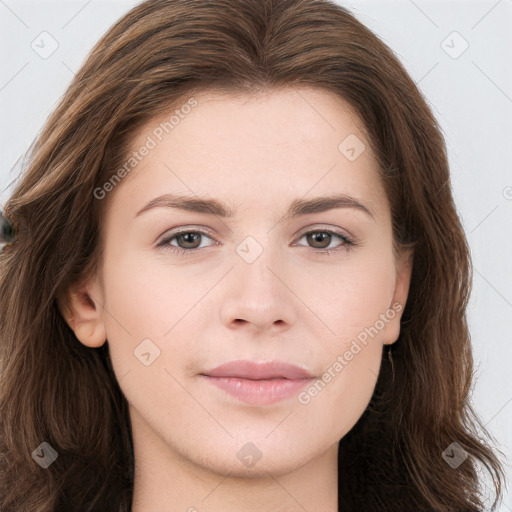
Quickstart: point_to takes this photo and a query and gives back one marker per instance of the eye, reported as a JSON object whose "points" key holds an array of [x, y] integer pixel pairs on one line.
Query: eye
{"points": [[321, 239], [187, 241]]}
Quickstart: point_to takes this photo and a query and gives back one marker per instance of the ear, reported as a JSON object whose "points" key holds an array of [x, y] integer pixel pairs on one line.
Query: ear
{"points": [[403, 266], [82, 308]]}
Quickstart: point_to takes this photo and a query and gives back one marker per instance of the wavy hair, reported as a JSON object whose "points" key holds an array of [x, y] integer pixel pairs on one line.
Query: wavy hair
{"points": [[54, 389]]}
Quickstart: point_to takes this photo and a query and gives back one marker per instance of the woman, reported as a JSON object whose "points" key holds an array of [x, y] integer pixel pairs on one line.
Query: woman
{"points": [[311, 352]]}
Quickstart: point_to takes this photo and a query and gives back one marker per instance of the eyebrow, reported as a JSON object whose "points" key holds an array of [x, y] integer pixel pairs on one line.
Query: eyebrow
{"points": [[297, 207]]}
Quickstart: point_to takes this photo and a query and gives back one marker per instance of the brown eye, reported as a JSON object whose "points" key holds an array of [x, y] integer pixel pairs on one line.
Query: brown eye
{"points": [[185, 241], [189, 240], [322, 238]]}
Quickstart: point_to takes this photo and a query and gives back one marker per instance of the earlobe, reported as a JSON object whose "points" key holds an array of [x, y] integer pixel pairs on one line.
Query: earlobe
{"points": [[82, 309], [91, 334], [396, 308]]}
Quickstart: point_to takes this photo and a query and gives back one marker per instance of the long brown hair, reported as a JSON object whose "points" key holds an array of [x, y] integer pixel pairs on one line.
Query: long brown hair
{"points": [[55, 390]]}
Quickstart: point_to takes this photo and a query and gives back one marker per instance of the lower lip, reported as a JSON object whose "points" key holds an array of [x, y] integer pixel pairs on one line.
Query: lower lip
{"points": [[259, 392]]}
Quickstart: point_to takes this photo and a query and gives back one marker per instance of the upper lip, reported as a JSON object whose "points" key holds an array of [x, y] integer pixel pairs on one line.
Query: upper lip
{"points": [[259, 371]]}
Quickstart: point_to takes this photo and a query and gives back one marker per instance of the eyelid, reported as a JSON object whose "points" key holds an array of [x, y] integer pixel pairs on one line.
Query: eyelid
{"points": [[325, 227], [171, 233], [194, 228]]}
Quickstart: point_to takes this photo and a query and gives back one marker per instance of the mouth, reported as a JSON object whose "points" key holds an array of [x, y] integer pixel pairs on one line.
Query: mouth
{"points": [[259, 383]]}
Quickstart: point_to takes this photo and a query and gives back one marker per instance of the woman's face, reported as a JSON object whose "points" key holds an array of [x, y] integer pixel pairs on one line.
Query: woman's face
{"points": [[256, 285]]}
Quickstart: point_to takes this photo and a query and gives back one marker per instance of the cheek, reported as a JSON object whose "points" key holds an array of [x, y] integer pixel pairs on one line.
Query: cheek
{"points": [[351, 296], [351, 389], [351, 366], [338, 398], [149, 298]]}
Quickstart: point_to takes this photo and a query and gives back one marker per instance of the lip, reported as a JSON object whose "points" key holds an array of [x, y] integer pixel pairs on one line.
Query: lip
{"points": [[259, 383], [259, 371]]}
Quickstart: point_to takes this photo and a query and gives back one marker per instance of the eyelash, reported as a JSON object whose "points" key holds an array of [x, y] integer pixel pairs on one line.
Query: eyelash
{"points": [[347, 245]]}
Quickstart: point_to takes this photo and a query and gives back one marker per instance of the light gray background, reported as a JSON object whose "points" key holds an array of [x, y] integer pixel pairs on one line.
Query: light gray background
{"points": [[470, 93]]}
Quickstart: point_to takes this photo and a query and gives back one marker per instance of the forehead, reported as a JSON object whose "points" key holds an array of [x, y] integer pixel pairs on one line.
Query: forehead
{"points": [[269, 144]]}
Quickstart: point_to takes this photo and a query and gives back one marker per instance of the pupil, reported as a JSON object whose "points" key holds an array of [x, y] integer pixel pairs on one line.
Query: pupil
{"points": [[188, 236]]}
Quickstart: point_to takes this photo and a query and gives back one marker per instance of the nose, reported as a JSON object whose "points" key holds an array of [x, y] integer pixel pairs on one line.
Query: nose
{"points": [[258, 297]]}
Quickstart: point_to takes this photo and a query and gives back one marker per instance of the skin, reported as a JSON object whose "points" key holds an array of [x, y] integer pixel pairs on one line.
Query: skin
{"points": [[257, 154]]}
